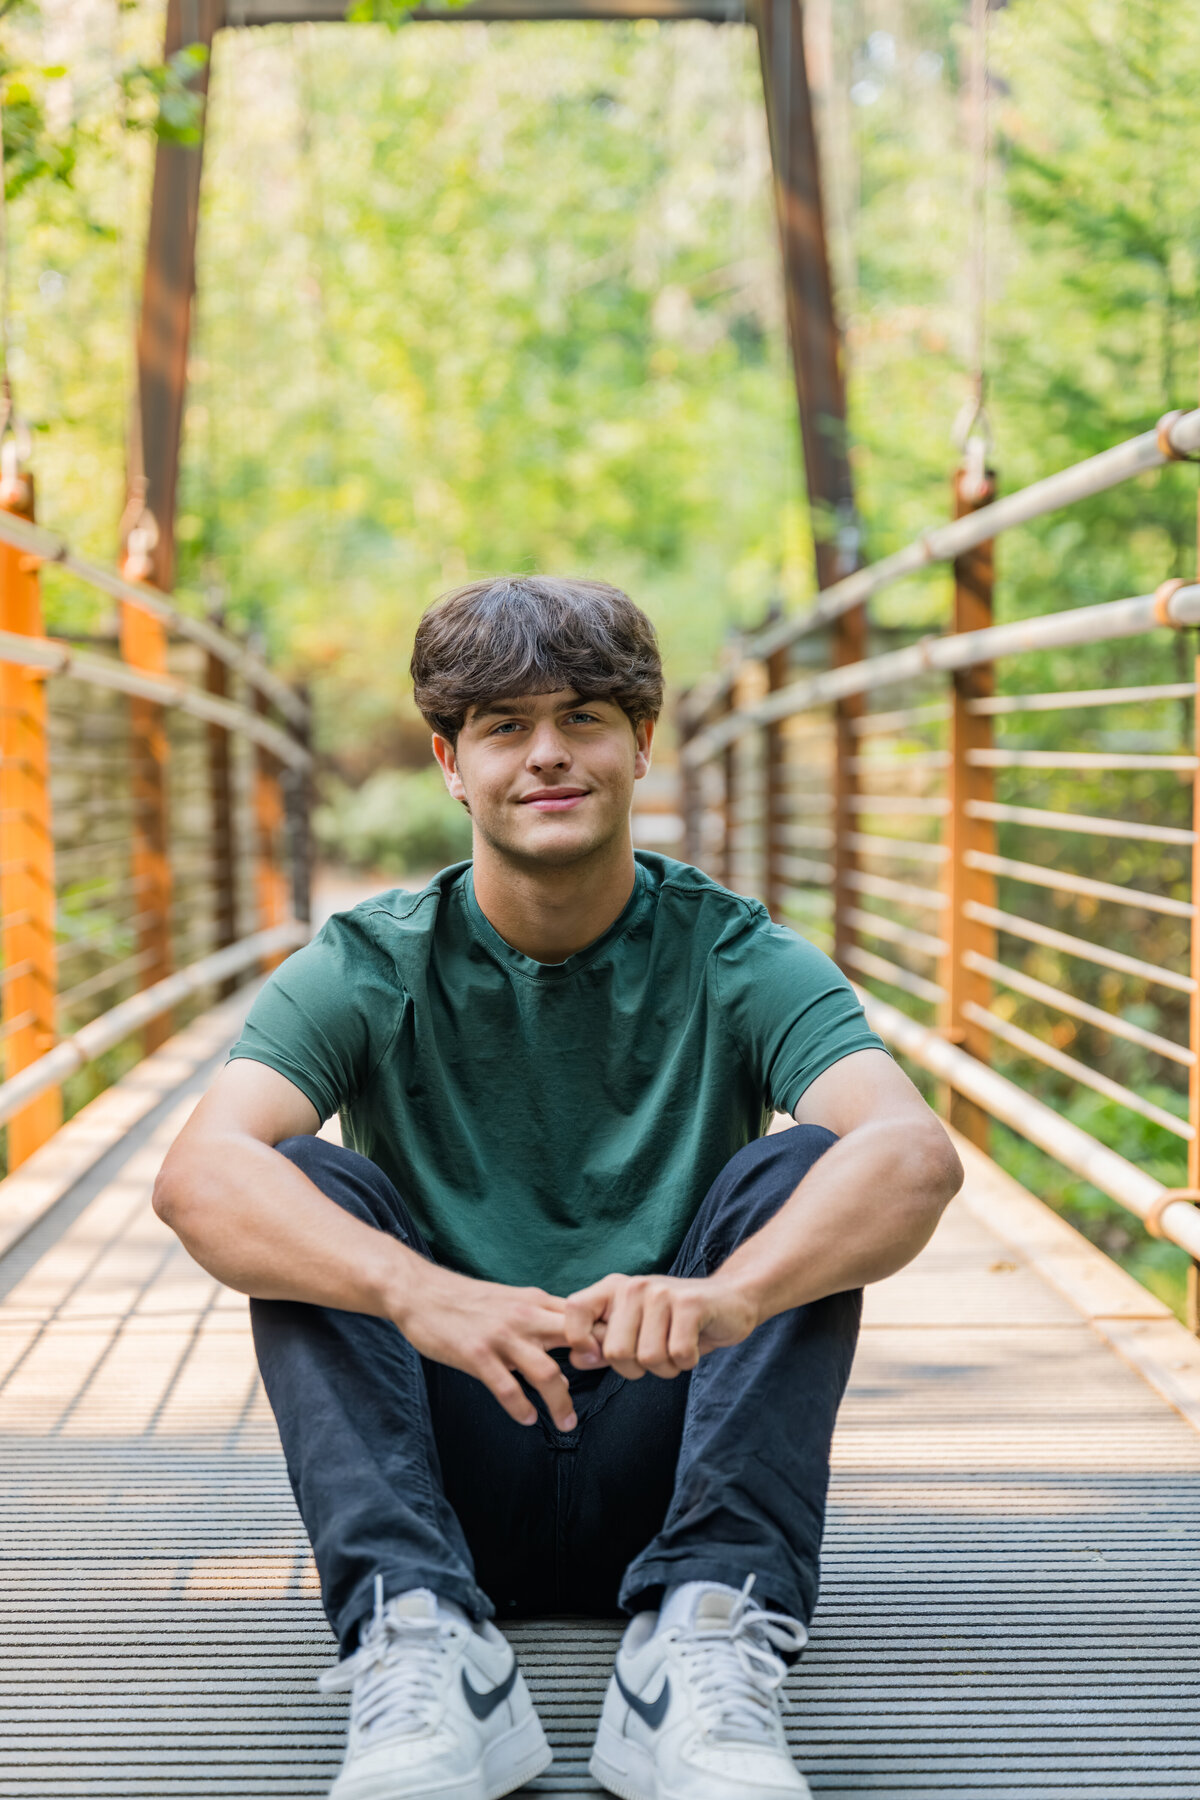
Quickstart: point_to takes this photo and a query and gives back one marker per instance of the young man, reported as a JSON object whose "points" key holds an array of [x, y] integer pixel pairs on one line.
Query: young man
{"points": [[561, 1331]]}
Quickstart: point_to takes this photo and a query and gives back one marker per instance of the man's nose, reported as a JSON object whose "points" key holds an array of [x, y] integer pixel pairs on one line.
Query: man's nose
{"points": [[548, 749]]}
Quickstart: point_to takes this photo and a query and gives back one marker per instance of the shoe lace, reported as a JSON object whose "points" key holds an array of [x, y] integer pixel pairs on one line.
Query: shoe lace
{"points": [[396, 1675], [735, 1670]]}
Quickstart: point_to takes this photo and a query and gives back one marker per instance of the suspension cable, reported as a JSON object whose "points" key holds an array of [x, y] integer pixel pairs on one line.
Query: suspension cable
{"points": [[974, 432]]}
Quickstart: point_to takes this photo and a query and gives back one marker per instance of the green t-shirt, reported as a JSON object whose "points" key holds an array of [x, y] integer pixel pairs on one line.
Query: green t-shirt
{"points": [[550, 1123]]}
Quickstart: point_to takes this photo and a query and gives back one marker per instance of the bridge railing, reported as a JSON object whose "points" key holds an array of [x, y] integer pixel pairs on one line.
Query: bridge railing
{"points": [[1022, 919], [154, 786]]}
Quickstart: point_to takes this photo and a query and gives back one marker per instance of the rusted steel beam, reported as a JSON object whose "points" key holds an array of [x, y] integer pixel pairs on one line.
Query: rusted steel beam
{"points": [[811, 314], [774, 828], [298, 797], [26, 843], [849, 646], [970, 833], [691, 794], [167, 291], [221, 819], [271, 886], [296, 12], [144, 647], [820, 384], [729, 802]]}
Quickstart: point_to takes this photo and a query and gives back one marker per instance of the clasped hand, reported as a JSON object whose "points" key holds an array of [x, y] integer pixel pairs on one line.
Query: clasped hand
{"points": [[636, 1324]]}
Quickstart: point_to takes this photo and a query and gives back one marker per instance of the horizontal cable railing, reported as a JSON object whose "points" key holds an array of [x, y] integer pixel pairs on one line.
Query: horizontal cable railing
{"points": [[154, 841], [54, 658], [1175, 437], [120, 1022], [1004, 862], [50, 547]]}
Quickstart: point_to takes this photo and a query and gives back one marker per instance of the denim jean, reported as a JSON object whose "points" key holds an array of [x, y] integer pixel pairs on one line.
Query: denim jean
{"points": [[412, 1470]]}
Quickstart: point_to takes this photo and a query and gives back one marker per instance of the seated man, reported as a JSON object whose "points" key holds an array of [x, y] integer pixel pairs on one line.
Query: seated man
{"points": [[559, 1330]]}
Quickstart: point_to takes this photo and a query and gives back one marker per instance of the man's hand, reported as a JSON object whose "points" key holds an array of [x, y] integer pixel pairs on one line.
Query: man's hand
{"points": [[493, 1332], [656, 1324]]}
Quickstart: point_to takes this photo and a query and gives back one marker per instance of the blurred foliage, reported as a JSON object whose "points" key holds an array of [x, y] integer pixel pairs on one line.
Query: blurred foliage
{"points": [[398, 822], [479, 297]]}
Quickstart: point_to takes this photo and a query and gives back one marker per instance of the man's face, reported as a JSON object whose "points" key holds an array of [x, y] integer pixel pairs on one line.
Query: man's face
{"points": [[548, 778]]}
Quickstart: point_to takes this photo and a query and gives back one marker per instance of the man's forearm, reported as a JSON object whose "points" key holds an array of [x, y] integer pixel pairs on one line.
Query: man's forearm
{"points": [[863, 1210], [252, 1219]]}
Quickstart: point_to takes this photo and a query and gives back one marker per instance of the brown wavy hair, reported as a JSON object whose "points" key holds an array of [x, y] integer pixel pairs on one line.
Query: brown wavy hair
{"points": [[533, 634]]}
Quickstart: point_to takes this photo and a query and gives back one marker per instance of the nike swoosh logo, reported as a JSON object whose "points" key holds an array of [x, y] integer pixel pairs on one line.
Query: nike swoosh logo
{"points": [[483, 1705], [652, 1711]]}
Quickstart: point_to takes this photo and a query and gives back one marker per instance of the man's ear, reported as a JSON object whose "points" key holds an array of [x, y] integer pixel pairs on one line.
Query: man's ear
{"points": [[446, 757], [644, 734]]}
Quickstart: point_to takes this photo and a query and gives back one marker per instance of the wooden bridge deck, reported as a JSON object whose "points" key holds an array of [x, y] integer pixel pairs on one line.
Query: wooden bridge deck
{"points": [[1010, 1601]]}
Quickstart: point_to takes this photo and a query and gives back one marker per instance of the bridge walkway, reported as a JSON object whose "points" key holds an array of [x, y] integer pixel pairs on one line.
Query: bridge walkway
{"points": [[1009, 1606]]}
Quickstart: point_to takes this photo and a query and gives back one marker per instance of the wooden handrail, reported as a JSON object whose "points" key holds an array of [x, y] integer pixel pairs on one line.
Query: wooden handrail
{"points": [[1176, 436], [56, 658], [52, 547]]}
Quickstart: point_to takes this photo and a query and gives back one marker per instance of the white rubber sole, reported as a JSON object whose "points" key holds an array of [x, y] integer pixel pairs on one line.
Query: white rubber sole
{"points": [[628, 1771], [507, 1763], [623, 1768]]}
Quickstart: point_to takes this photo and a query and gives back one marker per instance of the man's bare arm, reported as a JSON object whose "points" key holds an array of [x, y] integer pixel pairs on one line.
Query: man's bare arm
{"points": [[868, 1205], [864, 1209], [252, 1219]]}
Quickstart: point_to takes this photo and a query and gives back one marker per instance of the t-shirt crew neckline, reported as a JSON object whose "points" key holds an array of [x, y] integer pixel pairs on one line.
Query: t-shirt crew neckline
{"points": [[485, 932]]}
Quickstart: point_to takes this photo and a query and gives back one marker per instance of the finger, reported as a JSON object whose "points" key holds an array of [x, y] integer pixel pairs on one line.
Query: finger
{"points": [[508, 1391], [547, 1329], [584, 1312], [683, 1342], [652, 1350], [543, 1373], [621, 1330]]}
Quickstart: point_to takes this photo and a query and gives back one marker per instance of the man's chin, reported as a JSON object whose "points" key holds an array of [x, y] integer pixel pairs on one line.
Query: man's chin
{"points": [[555, 844]]}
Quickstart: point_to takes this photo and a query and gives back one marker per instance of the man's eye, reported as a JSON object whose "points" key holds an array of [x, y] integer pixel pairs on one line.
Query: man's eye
{"points": [[585, 718], [505, 730]]}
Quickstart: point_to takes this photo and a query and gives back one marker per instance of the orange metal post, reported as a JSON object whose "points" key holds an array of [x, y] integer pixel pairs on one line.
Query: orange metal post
{"points": [[1193, 1284], [144, 646], [974, 579], [26, 844]]}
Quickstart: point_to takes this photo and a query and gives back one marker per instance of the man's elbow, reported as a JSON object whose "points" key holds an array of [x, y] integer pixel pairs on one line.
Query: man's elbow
{"points": [[165, 1198], [173, 1198], [939, 1170]]}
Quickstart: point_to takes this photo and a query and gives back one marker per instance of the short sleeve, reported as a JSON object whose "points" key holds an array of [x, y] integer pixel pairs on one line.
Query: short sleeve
{"points": [[791, 1010], [326, 1016]]}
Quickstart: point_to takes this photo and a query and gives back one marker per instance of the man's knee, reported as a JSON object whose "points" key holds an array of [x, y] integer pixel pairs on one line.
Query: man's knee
{"points": [[755, 1182], [350, 1180]]}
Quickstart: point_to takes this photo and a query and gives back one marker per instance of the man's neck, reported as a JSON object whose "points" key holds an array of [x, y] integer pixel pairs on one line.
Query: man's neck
{"points": [[550, 914]]}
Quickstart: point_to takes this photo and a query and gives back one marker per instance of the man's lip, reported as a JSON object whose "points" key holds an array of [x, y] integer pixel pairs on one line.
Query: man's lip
{"points": [[554, 799]]}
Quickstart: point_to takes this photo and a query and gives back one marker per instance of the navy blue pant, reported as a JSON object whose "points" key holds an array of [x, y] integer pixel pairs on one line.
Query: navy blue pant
{"points": [[409, 1469]]}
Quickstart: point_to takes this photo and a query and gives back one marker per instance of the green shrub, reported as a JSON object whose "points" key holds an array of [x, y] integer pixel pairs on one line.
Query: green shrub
{"points": [[400, 820]]}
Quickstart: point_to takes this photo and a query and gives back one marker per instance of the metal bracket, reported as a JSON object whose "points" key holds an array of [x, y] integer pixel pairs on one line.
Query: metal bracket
{"points": [[1162, 435], [1164, 593], [1168, 1197]]}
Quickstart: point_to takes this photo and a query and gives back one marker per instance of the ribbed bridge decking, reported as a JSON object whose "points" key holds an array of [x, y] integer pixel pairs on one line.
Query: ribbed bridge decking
{"points": [[1010, 1591]]}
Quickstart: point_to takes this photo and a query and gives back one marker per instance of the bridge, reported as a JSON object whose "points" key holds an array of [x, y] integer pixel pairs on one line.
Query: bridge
{"points": [[1010, 1567]]}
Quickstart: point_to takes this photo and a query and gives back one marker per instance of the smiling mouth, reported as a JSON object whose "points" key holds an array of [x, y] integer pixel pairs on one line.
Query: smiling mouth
{"points": [[555, 800]]}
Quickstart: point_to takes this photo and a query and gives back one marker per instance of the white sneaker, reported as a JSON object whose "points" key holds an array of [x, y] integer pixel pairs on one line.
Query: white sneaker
{"points": [[438, 1710], [692, 1710]]}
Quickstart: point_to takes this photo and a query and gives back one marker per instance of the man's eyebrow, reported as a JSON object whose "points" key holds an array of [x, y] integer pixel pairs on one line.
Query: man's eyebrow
{"points": [[491, 709]]}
